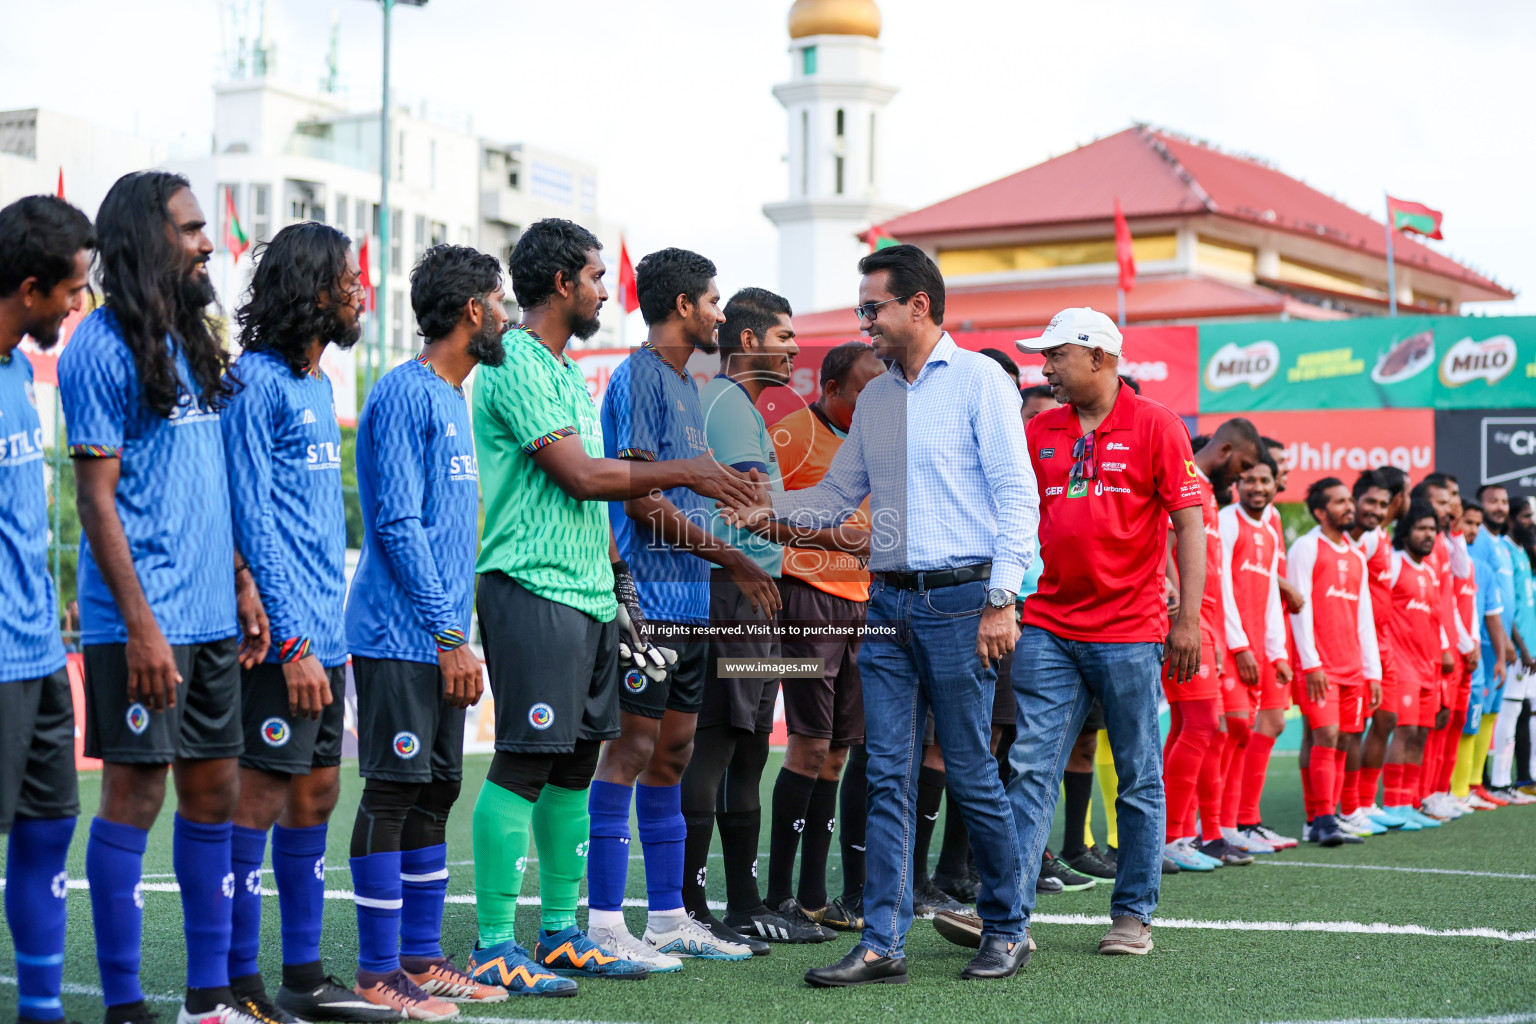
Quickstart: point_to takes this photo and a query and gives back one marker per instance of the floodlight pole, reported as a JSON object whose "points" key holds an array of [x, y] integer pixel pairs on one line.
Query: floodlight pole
{"points": [[376, 360]]}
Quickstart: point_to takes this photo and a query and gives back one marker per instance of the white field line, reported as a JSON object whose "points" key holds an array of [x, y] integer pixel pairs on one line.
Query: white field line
{"points": [[1389, 867], [1350, 927]]}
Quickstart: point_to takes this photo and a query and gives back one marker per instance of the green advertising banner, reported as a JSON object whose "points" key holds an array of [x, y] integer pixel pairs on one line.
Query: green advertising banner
{"points": [[1377, 363]]}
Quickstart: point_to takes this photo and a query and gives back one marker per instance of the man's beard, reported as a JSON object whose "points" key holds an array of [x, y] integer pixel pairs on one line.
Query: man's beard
{"points": [[196, 290], [486, 346], [1525, 536], [584, 327], [46, 336], [337, 332]]}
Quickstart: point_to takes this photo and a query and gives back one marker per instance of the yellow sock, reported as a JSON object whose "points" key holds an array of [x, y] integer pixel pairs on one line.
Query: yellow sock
{"points": [[1480, 744], [1461, 775], [1109, 786]]}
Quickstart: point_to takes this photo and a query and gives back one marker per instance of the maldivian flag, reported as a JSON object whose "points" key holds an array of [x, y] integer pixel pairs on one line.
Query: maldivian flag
{"points": [[235, 239], [629, 291], [1415, 217], [878, 240]]}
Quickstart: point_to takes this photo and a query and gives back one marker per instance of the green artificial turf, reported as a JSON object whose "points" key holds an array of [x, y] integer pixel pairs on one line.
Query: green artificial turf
{"points": [[1195, 975]]}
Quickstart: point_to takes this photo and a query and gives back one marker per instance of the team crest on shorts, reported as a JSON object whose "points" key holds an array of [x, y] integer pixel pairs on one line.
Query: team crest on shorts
{"points": [[407, 745], [541, 716], [275, 732], [636, 681], [137, 718]]}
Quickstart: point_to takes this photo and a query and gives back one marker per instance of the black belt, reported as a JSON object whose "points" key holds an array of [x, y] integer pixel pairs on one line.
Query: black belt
{"points": [[937, 578]]}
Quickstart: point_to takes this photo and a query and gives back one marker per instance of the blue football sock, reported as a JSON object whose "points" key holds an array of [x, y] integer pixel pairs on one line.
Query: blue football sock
{"points": [[201, 857], [298, 862], [247, 849], [608, 854], [114, 862], [663, 832], [34, 907], [423, 886], [376, 888]]}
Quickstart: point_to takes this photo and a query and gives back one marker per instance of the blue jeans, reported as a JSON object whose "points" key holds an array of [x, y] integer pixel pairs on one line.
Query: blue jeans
{"points": [[931, 661], [1055, 681]]}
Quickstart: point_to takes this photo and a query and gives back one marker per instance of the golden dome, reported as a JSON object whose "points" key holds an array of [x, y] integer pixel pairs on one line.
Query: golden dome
{"points": [[834, 18]]}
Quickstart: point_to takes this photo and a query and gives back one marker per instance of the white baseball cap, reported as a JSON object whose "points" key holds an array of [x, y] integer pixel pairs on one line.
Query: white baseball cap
{"points": [[1080, 325]]}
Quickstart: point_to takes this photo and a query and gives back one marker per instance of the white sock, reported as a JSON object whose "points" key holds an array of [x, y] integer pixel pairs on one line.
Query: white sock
{"points": [[665, 920], [609, 920]]}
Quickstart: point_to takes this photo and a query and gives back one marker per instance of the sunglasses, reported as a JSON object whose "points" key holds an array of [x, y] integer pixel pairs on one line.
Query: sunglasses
{"points": [[1083, 465], [870, 310]]}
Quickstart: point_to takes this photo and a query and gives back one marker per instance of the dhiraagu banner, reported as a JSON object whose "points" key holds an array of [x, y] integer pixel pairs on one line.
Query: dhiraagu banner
{"points": [[1378, 363]]}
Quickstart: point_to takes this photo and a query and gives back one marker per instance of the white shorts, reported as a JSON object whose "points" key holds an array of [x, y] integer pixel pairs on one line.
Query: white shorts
{"points": [[1519, 684]]}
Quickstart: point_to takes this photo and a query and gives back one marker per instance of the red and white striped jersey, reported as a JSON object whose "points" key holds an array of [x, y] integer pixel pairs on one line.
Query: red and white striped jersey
{"points": [[1413, 624], [1335, 630], [1250, 590]]}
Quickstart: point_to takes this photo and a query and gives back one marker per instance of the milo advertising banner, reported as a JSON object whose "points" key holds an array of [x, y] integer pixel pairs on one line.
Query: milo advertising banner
{"points": [[1378, 363]]}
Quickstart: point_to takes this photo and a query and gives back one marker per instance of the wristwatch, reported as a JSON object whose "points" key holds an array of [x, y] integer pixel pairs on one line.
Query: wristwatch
{"points": [[997, 597]]}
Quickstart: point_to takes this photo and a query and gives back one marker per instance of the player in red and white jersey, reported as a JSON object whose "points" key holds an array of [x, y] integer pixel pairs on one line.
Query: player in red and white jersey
{"points": [[1452, 564], [1418, 641], [1336, 645], [1373, 501], [1192, 752], [1255, 634], [1381, 495], [1451, 744]]}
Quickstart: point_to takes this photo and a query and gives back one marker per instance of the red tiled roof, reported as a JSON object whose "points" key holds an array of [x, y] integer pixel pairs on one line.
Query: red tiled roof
{"points": [[1174, 298], [1158, 175]]}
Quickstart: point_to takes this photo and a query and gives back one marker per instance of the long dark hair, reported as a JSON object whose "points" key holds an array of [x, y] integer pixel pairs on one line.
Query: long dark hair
{"points": [[281, 313], [143, 274]]}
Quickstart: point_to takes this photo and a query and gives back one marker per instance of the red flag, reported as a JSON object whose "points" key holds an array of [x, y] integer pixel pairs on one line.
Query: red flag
{"points": [[1124, 254], [1415, 217], [61, 181], [235, 239], [877, 240], [629, 294], [365, 276]]}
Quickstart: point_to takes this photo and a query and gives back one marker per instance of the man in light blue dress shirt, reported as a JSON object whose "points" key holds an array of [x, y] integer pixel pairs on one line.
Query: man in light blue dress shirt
{"points": [[937, 445]]}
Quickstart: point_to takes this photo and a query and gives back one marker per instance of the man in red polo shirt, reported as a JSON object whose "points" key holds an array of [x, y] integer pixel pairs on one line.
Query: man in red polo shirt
{"points": [[1112, 468]]}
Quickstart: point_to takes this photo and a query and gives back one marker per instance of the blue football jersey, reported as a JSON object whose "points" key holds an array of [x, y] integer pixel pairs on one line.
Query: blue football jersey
{"points": [[419, 487], [282, 448], [172, 495], [30, 647], [651, 412]]}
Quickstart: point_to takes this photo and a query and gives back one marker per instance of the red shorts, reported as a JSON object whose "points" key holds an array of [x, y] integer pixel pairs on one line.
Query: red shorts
{"points": [[1237, 697], [1389, 678], [1319, 713], [1273, 694], [1206, 683], [1352, 702], [1431, 700]]}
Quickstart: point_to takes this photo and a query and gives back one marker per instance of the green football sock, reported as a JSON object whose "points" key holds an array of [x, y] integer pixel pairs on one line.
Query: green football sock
{"points": [[501, 853], [562, 830]]}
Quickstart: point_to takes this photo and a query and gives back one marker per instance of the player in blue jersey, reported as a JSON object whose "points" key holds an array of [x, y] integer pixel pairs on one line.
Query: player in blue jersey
{"points": [[164, 630], [651, 411], [45, 257], [406, 619], [282, 448]]}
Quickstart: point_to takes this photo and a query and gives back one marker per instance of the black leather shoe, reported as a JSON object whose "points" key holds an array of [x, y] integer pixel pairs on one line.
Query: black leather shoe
{"points": [[853, 969], [996, 960]]}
